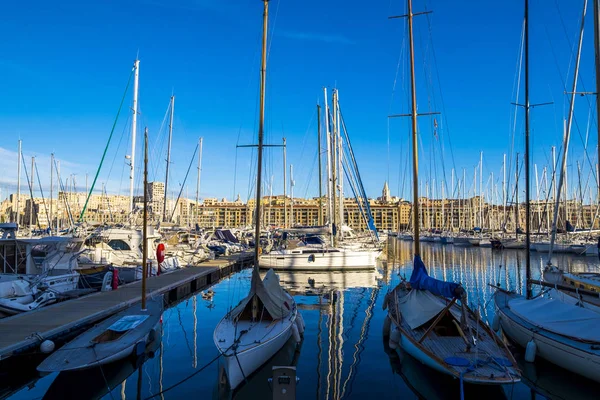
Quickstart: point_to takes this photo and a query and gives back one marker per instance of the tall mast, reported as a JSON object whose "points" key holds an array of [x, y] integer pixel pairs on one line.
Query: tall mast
{"points": [[31, 200], [451, 195], [415, 148], [65, 199], [443, 201], [527, 162], [329, 177], [481, 190], [136, 67], [292, 183], [537, 195], [198, 179], [17, 214], [51, 191], [504, 194], [164, 216], [340, 167], [597, 64], [517, 198], [334, 154], [261, 125], [285, 218], [145, 223], [464, 196], [567, 136], [320, 212]]}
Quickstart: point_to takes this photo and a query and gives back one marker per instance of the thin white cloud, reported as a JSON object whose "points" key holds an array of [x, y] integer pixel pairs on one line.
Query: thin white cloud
{"points": [[320, 37], [9, 175]]}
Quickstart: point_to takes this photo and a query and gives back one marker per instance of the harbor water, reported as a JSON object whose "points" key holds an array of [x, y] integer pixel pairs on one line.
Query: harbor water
{"points": [[343, 354]]}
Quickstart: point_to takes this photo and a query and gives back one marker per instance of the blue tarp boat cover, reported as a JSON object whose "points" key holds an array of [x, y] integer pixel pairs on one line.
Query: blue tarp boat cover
{"points": [[422, 281]]}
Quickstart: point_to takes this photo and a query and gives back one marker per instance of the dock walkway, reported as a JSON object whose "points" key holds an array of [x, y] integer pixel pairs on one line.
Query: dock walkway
{"points": [[24, 332]]}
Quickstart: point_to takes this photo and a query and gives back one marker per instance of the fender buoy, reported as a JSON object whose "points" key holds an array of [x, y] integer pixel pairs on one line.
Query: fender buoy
{"points": [[496, 323], [394, 337], [530, 351], [47, 346], [387, 323], [299, 324], [296, 333], [160, 253], [107, 282]]}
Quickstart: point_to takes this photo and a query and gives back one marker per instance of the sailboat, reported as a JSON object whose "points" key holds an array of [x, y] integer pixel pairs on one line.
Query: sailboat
{"points": [[424, 321], [305, 248], [564, 333], [252, 332], [118, 336]]}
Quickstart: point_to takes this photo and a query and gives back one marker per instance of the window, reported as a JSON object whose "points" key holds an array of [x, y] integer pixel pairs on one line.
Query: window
{"points": [[118, 244]]}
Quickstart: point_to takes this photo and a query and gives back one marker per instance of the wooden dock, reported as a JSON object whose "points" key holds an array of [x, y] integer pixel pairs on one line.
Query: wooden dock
{"points": [[24, 332]]}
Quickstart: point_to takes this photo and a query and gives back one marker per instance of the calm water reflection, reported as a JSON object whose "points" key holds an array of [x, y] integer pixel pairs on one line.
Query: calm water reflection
{"points": [[343, 354]]}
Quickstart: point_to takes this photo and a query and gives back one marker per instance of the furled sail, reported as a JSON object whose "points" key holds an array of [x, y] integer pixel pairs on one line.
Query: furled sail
{"points": [[422, 281]]}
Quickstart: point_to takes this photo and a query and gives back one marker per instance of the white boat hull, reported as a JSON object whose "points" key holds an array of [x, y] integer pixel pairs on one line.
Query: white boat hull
{"points": [[461, 241], [320, 261], [240, 364], [22, 285], [552, 347], [558, 247], [512, 244]]}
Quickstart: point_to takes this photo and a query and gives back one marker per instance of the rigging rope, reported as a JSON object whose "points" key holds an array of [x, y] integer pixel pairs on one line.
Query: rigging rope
{"points": [[30, 191], [106, 148], [183, 185], [37, 172], [62, 187]]}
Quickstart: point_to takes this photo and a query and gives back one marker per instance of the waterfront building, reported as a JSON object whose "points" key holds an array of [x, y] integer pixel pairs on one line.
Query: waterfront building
{"points": [[389, 213]]}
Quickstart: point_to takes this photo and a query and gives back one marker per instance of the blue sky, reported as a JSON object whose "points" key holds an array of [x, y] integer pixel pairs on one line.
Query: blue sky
{"points": [[64, 66]]}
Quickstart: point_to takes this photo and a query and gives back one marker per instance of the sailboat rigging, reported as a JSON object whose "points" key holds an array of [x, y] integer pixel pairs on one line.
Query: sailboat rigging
{"points": [[421, 317], [562, 332], [261, 324]]}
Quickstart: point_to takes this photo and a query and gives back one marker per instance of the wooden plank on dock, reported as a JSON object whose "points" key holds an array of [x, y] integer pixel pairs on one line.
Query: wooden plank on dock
{"points": [[23, 331]]}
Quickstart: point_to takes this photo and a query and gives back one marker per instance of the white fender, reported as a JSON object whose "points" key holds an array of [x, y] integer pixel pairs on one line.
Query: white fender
{"points": [[530, 351], [496, 323], [107, 282], [300, 321], [296, 333], [394, 337], [47, 346], [299, 324]]}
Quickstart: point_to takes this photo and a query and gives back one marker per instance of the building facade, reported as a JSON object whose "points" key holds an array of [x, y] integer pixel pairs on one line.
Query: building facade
{"points": [[389, 213]]}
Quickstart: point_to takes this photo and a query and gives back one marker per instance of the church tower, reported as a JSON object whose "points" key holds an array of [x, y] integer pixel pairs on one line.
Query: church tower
{"points": [[385, 193]]}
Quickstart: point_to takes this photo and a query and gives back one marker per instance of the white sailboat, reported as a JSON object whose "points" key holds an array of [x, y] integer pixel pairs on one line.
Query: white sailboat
{"points": [[562, 332], [425, 322], [345, 251], [252, 332], [306, 258]]}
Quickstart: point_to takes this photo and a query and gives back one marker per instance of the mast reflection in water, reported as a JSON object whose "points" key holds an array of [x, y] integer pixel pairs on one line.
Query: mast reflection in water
{"points": [[342, 355]]}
